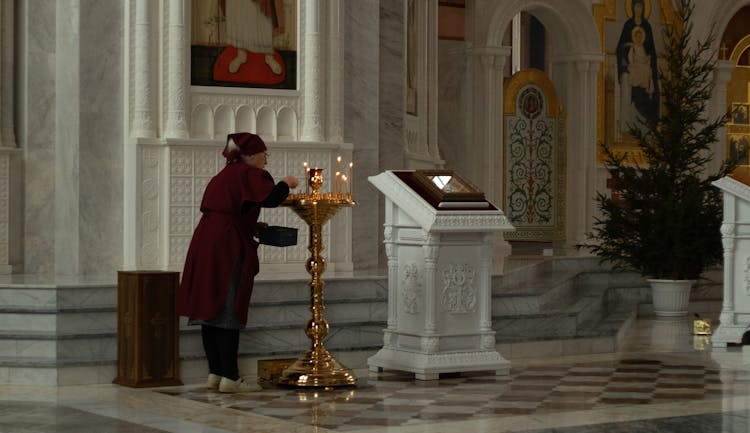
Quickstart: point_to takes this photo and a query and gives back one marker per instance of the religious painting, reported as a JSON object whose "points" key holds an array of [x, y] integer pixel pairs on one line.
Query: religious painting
{"points": [[739, 145], [411, 57], [244, 43], [740, 114], [629, 88]]}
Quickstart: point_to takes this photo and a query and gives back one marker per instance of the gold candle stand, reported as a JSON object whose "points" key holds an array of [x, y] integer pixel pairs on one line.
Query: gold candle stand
{"points": [[317, 367]]}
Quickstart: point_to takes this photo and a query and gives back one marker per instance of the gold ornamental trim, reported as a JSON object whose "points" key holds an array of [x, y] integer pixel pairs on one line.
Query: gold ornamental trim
{"points": [[534, 77], [740, 48]]}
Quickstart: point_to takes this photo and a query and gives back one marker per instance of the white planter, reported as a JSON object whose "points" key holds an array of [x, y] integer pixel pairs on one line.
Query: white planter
{"points": [[671, 297]]}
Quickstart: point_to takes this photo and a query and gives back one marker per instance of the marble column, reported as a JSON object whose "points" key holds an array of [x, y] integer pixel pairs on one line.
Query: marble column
{"points": [[144, 124], [728, 229], [335, 71], [313, 90], [489, 63], [176, 54], [722, 77], [581, 116]]}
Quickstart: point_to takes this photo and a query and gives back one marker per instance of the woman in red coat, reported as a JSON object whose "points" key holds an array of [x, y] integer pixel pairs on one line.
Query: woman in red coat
{"points": [[222, 259]]}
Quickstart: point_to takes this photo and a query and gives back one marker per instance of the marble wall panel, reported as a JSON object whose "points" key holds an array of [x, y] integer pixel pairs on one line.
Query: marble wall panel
{"points": [[361, 128], [101, 137], [37, 135], [392, 86], [452, 99]]}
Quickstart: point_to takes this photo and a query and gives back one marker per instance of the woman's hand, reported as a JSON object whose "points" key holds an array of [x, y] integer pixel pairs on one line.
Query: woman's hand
{"points": [[291, 181]]}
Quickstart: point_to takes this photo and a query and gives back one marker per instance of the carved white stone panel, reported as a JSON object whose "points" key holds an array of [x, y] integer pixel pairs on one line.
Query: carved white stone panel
{"points": [[191, 167], [150, 215], [459, 293], [411, 288]]}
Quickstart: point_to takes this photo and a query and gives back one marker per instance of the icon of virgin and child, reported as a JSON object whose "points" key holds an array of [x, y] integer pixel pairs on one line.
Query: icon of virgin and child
{"points": [[636, 67]]}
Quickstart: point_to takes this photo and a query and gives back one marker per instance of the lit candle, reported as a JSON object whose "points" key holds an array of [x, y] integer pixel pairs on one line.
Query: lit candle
{"points": [[344, 179], [337, 183], [351, 182], [307, 177]]}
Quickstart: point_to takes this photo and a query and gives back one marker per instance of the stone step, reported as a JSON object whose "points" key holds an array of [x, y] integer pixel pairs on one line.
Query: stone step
{"points": [[558, 323], [46, 296], [556, 306], [56, 320], [533, 296], [40, 348]]}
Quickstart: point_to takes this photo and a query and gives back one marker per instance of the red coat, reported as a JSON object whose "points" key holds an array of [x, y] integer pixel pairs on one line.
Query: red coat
{"points": [[221, 235]]}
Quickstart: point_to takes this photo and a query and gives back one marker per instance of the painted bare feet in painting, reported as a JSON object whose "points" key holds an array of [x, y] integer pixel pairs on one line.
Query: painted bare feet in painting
{"points": [[273, 64], [238, 61]]}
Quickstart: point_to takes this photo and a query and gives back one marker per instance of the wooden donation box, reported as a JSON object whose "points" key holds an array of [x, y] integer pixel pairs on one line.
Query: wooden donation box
{"points": [[147, 329], [439, 239], [735, 232]]}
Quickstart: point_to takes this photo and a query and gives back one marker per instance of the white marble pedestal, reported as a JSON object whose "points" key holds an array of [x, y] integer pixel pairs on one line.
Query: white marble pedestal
{"points": [[439, 294]]}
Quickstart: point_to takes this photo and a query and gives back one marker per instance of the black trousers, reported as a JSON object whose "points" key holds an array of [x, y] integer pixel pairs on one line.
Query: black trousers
{"points": [[221, 347]]}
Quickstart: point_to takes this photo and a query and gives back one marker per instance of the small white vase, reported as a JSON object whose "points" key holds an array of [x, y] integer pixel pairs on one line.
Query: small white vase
{"points": [[671, 297]]}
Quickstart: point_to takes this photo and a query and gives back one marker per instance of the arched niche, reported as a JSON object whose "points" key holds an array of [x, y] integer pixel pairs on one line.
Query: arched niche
{"points": [[200, 125], [223, 121], [266, 124], [570, 27], [287, 124], [571, 23], [720, 18], [245, 119]]}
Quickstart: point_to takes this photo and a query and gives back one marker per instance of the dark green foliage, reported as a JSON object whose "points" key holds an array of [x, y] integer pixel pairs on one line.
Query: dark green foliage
{"points": [[665, 222]]}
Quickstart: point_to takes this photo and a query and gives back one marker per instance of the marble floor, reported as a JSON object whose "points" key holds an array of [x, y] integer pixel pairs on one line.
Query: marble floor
{"points": [[663, 380]]}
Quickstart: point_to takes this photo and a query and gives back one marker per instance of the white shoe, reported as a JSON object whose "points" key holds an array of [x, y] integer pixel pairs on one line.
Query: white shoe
{"points": [[239, 385], [213, 381]]}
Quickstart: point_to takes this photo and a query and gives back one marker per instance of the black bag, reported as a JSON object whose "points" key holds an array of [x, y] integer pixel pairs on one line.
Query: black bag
{"points": [[277, 236]]}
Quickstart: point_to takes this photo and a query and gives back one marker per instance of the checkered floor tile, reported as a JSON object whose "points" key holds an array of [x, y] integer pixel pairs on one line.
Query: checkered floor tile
{"points": [[395, 398]]}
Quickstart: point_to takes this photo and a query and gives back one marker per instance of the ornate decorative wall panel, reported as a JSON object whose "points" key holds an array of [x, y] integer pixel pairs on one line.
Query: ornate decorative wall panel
{"points": [[534, 158]]}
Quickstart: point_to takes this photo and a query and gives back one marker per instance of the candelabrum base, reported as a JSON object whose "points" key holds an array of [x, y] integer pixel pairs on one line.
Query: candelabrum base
{"points": [[317, 368]]}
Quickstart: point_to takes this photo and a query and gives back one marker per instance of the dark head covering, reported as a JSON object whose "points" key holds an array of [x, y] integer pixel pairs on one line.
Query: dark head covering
{"points": [[242, 143], [643, 11]]}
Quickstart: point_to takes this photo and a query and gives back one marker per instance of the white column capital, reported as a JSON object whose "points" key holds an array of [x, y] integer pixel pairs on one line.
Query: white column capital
{"points": [[491, 57], [582, 61]]}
